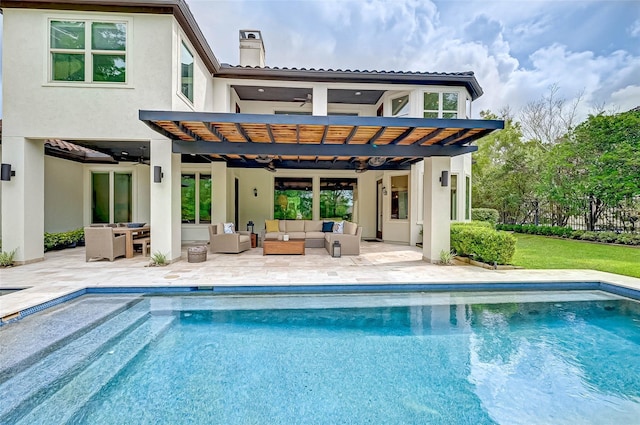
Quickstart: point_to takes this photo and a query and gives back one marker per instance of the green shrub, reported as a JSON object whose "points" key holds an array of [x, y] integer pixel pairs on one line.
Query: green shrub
{"points": [[628, 239], [607, 237], [446, 257], [51, 240], [589, 236], [77, 235], [577, 234], [62, 239], [483, 244], [159, 259], [6, 258], [485, 214], [474, 223]]}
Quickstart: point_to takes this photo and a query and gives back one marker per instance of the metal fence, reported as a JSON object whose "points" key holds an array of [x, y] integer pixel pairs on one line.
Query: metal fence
{"points": [[588, 214]]}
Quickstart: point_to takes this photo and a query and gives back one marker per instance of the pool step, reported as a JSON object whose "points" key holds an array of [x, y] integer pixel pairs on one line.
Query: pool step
{"points": [[85, 384], [44, 376], [43, 333]]}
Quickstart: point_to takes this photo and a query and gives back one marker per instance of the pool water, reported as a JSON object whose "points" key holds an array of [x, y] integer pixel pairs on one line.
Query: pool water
{"points": [[469, 358]]}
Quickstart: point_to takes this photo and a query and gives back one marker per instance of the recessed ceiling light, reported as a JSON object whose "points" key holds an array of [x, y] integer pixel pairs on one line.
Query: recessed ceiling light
{"points": [[358, 93], [261, 90]]}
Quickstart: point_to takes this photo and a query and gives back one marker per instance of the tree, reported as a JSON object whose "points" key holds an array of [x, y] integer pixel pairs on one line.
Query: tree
{"points": [[598, 162], [549, 118], [506, 171]]}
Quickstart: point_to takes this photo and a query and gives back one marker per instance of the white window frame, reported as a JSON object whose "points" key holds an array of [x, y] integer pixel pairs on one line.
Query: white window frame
{"points": [[408, 106], [111, 172], [88, 51], [467, 196], [190, 49], [440, 111], [197, 175], [390, 217], [454, 208]]}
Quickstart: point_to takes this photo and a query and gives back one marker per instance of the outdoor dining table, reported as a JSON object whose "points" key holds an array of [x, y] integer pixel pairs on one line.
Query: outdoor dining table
{"points": [[130, 233]]}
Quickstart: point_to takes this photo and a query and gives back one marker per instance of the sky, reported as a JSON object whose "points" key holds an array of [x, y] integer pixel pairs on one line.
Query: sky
{"points": [[517, 49]]}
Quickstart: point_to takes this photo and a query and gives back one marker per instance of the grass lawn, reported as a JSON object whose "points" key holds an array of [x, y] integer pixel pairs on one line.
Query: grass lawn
{"points": [[539, 252]]}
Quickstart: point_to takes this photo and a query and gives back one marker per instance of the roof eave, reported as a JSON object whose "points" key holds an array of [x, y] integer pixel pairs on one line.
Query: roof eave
{"points": [[466, 79]]}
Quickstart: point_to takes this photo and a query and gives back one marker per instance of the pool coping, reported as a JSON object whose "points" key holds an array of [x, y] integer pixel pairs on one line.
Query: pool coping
{"points": [[355, 288]]}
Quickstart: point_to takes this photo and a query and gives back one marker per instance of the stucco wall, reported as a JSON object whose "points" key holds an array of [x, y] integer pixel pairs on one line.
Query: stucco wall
{"points": [[63, 197], [79, 110]]}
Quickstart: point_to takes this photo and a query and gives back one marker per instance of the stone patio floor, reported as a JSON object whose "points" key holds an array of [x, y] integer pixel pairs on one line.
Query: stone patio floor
{"points": [[66, 271]]}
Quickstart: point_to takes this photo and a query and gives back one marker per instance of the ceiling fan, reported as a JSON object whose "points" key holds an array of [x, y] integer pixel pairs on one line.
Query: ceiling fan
{"points": [[141, 159], [304, 100]]}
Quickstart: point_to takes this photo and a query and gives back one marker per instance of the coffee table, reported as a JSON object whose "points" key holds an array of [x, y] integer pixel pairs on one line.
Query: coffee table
{"points": [[292, 247]]}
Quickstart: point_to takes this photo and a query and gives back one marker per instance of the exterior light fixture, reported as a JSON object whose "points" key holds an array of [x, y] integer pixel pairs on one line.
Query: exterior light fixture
{"points": [[384, 191], [271, 167], [358, 93], [255, 192], [6, 172], [444, 178], [157, 174], [336, 249], [261, 90]]}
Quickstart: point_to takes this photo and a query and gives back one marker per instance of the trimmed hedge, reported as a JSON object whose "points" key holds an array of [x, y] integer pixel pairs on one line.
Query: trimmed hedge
{"points": [[474, 223], [485, 214], [482, 243], [62, 239], [568, 232]]}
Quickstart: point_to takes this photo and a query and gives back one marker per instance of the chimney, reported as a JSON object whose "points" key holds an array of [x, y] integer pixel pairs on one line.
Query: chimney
{"points": [[251, 48]]}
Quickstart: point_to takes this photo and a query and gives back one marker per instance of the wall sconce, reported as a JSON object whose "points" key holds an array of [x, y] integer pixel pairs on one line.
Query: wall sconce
{"points": [[384, 190], [255, 192], [444, 178], [157, 174], [336, 250], [6, 172]]}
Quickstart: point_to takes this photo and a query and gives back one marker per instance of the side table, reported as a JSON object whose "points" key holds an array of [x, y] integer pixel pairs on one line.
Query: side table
{"points": [[254, 240]]}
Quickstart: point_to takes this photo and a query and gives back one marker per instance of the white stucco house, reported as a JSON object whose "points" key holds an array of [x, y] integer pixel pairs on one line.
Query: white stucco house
{"points": [[119, 111]]}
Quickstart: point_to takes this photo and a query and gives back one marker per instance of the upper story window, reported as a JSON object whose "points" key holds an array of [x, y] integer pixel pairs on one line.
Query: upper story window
{"points": [[88, 51], [441, 105], [400, 106], [186, 72]]}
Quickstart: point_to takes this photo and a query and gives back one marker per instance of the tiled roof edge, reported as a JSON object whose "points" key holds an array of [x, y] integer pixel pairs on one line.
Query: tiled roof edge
{"points": [[318, 74]]}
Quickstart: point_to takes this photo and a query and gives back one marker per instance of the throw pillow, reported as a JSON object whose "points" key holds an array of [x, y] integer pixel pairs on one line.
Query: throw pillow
{"points": [[327, 226], [228, 228], [272, 226], [338, 227]]}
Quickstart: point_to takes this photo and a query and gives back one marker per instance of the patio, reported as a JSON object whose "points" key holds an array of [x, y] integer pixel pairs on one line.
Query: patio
{"points": [[66, 271]]}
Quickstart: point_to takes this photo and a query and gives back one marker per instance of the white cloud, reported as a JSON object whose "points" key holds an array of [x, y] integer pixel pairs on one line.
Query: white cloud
{"points": [[516, 49], [634, 29], [626, 98]]}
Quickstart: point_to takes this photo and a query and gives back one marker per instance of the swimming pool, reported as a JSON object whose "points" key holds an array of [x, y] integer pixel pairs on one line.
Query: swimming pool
{"points": [[477, 358]]}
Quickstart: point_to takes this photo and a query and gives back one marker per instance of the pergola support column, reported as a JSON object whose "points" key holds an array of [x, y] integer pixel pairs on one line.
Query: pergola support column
{"points": [[165, 201], [23, 199], [437, 208]]}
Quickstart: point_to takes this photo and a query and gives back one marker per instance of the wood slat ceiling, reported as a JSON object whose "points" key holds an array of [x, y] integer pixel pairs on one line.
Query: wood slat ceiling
{"points": [[401, 139], [289, 133]]}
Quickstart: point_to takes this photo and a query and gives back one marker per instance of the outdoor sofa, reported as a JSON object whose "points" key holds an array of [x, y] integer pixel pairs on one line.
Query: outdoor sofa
{"points": [[314, 236]]}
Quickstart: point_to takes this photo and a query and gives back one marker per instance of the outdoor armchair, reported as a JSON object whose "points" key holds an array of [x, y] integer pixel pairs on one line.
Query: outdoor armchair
{"points": [[230, 243], [100, 242]]}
